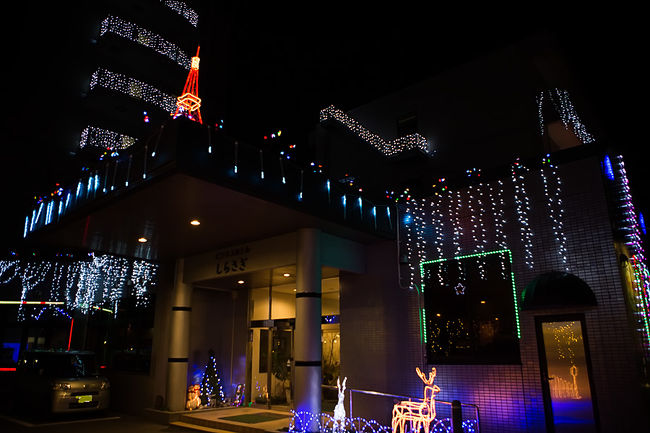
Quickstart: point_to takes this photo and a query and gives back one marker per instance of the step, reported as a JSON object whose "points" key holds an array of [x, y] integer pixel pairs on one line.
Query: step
{"points": [[197, 427], [232, 426]]}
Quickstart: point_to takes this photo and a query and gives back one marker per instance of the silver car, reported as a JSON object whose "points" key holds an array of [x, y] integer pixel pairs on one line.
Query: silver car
{"points": [[62, 381]]}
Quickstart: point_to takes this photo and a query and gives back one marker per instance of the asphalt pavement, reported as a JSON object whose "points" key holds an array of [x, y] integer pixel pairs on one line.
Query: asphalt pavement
{"points": [[104, 423]]}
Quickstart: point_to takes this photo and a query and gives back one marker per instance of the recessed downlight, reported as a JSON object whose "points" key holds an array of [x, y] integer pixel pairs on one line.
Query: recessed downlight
{"points": [[286, 274], [195, 222], [142, 239], [240, 282]]}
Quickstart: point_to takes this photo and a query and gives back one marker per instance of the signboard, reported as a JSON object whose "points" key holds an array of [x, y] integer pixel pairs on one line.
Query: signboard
{"points": [[232, 260]]}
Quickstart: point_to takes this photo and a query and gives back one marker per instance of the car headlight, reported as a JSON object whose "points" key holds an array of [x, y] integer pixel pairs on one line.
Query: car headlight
{"points": [[61, 386]]}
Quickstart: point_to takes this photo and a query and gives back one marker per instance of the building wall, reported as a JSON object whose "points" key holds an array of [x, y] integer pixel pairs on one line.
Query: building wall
{"points": [[379, 319]]}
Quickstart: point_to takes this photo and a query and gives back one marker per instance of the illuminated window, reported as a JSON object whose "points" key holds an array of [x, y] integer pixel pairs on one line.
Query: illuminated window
{"points": [[470, 315]]}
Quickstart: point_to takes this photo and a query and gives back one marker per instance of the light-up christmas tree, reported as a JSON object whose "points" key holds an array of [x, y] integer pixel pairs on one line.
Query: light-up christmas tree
{"points": [[189, 103], [211, 387]]}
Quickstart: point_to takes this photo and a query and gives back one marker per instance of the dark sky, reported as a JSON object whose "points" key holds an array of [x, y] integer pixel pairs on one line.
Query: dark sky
{"points": [[307, 59]]}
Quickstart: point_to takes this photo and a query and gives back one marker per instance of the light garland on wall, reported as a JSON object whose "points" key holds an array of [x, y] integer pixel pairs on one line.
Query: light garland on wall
{"points": [[388, 148], [183, 9], [439, 231], [102, 138], [497, 209], [562, 104], [477, 214], [555, 208], [630, 228], [408, 218], [135, 33], [132, 87], [83, 285], [522, 203]]}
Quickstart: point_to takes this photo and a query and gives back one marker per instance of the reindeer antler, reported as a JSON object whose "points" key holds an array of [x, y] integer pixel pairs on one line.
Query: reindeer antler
{"points": [[432, 376]]}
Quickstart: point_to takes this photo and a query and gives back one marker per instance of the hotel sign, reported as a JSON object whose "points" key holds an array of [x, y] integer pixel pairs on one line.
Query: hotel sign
{"points": [[232, 260]]}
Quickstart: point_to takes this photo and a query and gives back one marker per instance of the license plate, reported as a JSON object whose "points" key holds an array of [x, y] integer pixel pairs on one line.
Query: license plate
{"points": [[84, 398]]}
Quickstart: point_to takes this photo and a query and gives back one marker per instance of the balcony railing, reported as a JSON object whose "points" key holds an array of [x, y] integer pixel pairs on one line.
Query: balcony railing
{"points": [[185, 146]]}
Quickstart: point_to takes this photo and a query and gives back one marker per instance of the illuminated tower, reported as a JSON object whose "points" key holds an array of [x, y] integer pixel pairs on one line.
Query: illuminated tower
{"points": [[189, 102]]}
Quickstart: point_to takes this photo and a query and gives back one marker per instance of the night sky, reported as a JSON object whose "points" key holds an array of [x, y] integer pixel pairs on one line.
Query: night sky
{"points": [[297, 61]]}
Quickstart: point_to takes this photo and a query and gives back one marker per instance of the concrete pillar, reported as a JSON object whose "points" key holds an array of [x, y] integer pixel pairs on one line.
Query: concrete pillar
{"points": [[307, 336], [179, 341]]}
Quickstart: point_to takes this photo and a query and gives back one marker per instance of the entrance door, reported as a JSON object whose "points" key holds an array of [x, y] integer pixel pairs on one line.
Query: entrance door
{"points": [[565, 376], [270, 363]]}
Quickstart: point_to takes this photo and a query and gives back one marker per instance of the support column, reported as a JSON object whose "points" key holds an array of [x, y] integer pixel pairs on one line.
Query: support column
{"points": [[179, 341], [307, 336]]}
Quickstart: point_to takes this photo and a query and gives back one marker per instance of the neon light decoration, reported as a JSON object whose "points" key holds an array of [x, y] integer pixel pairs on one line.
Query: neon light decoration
{"points": [[388, 148], [189, 102], [418, 414]]}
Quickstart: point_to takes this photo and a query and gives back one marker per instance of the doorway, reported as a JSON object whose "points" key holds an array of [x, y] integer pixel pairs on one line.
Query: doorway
{"points": [[566, 375]]}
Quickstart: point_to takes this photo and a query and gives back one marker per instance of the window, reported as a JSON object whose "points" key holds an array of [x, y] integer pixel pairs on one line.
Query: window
{"points": [[470, 309]]}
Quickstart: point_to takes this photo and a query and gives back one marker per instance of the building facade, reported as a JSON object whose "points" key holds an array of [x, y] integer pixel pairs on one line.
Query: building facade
{"points": [[496, 243]]}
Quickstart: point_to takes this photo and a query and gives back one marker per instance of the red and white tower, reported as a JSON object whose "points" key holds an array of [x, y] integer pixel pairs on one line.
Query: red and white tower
{"points": [[189, 103]]}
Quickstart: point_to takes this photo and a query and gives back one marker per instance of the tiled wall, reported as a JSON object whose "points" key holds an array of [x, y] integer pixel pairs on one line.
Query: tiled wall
{"points": [[380, 323]]}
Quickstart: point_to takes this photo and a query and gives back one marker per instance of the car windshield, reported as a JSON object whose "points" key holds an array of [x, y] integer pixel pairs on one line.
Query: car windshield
{"points": [[67, 365]]}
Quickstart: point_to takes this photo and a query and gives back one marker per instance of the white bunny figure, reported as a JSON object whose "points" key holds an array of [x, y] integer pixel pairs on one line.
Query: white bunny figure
{"points": [[339, 409]]}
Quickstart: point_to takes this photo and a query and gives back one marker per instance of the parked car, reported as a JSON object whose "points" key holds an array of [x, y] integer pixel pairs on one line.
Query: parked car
{"points": [[59, 382]]}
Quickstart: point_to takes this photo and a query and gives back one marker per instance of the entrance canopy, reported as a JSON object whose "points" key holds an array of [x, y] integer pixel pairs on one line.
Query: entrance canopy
{"points": [[142, 205], [557, 289]]}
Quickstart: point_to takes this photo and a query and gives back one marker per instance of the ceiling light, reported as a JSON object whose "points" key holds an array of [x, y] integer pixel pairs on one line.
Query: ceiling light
{"points": [[286, 274], [240, 282], [142, 239], [195, 222]]}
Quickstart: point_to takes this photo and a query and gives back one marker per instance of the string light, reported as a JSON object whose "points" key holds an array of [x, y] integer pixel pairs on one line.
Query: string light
{"points": [[562, 104], [132, 87], [388, 148], [183, 9], [82, 284], [554, 204], [629, 227], [135, 33], [105, 139], [522, 203]]}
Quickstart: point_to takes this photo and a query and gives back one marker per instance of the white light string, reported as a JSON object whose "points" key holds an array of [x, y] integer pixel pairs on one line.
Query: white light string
{"points": [[388, 148]]}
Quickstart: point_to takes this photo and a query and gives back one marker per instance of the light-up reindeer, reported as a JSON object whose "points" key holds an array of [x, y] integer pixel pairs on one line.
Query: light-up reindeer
{"points": [[339, 409], [418, 414]]}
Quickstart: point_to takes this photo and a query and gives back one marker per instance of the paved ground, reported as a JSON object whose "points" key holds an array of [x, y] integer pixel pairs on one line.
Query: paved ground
{"points": [[105, 423]]}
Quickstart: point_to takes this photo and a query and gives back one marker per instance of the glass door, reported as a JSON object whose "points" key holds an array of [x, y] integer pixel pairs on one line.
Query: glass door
{"points": [[565, 377]]}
